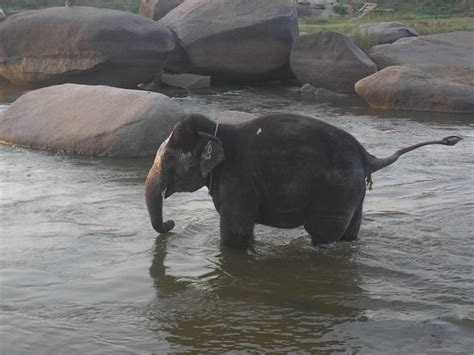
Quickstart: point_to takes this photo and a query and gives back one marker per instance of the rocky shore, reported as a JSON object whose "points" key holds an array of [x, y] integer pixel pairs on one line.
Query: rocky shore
{"points": [[195, 44]]}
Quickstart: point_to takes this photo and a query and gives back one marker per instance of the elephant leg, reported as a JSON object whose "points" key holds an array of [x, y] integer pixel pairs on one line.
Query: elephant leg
{"points": [[352, 231], [327, 228], [238, 215]]}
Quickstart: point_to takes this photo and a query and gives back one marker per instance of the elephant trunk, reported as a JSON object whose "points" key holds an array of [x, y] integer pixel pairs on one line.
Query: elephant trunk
{"points": [[154, 191]]}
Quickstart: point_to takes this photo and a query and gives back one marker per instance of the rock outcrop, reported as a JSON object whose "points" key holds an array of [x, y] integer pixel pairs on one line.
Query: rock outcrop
{"points": [[90, 120], [156, 9], [238, 40], [404, 88], [383, 32], [444, 55], [82, 45], [329, 60]]}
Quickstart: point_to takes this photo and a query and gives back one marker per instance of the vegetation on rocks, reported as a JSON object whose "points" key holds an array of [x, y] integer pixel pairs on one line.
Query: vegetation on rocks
{"points": [[425, 16]]}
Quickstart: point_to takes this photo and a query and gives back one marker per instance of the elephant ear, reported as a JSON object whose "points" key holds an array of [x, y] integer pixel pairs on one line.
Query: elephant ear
{"points": [[212, 153]]}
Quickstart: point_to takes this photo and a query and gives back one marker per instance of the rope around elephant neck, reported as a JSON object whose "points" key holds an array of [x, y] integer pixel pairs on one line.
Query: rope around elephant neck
{"points": [[210, 174]]}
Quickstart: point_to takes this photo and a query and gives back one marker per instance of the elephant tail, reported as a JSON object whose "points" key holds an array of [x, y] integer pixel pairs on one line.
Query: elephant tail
{"points": [[380, 163]]}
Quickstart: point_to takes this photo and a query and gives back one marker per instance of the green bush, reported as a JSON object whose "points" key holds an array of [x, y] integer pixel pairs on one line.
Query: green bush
{"points": [[340, 9], [364, 40]]}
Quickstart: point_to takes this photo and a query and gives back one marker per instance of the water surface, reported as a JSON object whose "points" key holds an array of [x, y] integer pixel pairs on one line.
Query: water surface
{"points": [[83, 272]]}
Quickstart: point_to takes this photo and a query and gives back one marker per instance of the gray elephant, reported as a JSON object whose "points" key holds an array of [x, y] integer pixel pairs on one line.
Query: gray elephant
{"points": [[280, 170]]}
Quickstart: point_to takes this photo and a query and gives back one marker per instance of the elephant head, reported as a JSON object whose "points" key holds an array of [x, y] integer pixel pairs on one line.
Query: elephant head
{"points": [[182, 164]]}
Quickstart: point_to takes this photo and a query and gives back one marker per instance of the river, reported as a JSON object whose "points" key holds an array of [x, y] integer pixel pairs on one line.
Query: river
{"points": [[83, 272]]}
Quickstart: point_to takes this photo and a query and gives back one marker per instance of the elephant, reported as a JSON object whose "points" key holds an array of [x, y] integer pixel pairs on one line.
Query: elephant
{"points": [[281, 170]]}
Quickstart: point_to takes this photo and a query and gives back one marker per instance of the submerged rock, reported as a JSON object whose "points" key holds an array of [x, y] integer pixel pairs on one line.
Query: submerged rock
{"points": [[186, 81], [82, 45], [447, 56], [90, 120], [307, 89], [329, 60], [239, 40], [405, 88], [156, 9], [384, 32], [324, 94]]}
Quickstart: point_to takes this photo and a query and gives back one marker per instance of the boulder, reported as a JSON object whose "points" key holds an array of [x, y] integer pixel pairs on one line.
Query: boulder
{"points": [[82, 45], [404, 88], [186, 81], [307, 89], [329, 60], [445, 55], [90, 120], [383, 32], [328, 95], [235, 40], [156, 9]]}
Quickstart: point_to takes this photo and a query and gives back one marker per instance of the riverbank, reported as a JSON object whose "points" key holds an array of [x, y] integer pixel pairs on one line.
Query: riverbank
{"points": [[423, 24], [424, 19]]}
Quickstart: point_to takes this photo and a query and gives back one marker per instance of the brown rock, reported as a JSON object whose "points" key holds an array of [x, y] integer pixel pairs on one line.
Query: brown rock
{"points": [[156, 9], [239, 40], [384, 32], [329, 60], [447, 56], [82, 45], [404, 88]]}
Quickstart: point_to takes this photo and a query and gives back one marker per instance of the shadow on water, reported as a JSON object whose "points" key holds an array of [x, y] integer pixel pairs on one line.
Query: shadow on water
{"points": [[9, 92], [276, 297]]}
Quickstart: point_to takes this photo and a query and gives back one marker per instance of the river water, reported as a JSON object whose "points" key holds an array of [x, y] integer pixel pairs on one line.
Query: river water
{"points": [[83, 272]]}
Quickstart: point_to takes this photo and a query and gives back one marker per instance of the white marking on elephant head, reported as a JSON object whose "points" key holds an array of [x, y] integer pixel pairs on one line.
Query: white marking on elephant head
{"points": [[159, 153]]}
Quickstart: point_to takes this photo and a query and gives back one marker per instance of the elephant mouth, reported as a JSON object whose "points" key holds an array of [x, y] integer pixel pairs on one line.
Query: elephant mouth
{"points": [[168, 191]]}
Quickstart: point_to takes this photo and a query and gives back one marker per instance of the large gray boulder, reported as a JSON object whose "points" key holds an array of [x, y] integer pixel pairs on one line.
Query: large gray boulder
{"points": [[156, 9], [90, 120], [383, 32], [82, 45], [448, 56], [242, 40], [404, 88], [329, 60]]}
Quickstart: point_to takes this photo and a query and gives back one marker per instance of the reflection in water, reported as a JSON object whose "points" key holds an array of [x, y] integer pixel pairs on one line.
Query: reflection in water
{"points": [[262, 299], [9, 93]]}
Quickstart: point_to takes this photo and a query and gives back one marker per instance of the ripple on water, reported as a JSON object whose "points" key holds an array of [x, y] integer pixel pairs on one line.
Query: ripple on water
{"points": [[82, 270]]}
